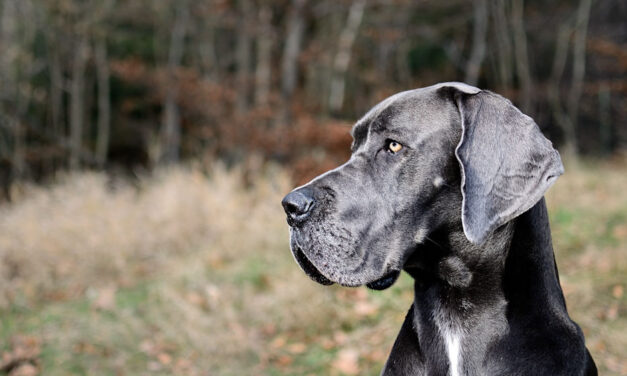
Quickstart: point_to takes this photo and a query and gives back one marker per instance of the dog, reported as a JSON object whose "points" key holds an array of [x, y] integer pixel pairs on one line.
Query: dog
{"points": [[447, 182]]}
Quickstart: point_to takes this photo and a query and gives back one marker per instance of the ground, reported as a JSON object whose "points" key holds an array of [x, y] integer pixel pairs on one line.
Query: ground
{"points": [[188, 272]]}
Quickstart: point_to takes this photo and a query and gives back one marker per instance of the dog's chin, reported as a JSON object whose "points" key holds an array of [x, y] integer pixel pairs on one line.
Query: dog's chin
{"points": [[308, 267], [385, 281]]}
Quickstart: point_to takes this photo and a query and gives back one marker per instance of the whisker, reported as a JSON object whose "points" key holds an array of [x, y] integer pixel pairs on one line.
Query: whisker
{"points": [[434, 242]]}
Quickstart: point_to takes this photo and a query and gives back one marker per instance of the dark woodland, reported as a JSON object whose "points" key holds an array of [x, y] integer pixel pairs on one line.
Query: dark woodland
{"points": [[136, 84]]}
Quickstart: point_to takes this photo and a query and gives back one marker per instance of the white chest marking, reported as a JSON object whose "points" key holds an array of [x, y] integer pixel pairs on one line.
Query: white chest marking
{"points": [[452, 349]]}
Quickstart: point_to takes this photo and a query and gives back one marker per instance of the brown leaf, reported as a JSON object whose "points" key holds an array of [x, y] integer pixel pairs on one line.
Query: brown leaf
{"points": [[612, 312], [24, 350], [164, 358], [284, 360], [617, 291], [327, 343], [278, 342], [347, 362], [147, 346], [339, 337], [377, 355], [105, 299], [365, 308], [195, 298], [297, 348], [620, 232], [25, 369]]}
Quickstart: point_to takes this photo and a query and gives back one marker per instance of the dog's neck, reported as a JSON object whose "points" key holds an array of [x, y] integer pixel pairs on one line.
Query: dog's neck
{"points": [[465, 293]]}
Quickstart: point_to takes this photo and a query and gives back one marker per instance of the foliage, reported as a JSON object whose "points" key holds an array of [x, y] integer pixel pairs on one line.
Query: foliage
{"points": [[110, 84]]}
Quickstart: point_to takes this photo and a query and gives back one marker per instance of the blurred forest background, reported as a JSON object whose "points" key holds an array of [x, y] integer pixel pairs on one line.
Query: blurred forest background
{"points": [[145, 147], [106, 84]]}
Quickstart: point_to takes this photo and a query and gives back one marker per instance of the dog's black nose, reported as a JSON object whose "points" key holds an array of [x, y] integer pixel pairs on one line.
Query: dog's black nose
{"points": [[297, 205]]}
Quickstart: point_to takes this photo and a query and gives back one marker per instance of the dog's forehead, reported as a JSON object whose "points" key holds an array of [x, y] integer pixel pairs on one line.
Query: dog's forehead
{"points": [[406, 109]]}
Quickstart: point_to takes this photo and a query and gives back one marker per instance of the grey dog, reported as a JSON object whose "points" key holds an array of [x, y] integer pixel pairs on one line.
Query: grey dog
{"points": [[447, 182]]}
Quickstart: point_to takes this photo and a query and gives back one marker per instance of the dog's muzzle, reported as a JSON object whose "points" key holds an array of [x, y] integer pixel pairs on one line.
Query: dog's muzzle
{"points": [[308, 267]]}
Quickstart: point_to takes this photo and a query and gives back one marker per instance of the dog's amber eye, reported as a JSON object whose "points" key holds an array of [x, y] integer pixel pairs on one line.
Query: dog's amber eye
{"points": [[394, 147]]}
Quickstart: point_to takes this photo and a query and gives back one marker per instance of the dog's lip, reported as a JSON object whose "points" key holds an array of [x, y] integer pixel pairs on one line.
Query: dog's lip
{"points": [[309, 268], [384, 282]]}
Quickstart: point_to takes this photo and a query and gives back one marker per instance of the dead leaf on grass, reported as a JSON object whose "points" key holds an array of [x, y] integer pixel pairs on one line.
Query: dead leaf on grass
{"points": [[164, 358], [612, 312], [297, 348], [278, 342], [346, 362], [377, 355], [365, 308], [105, 299], [25, 369], [23, 356], [617, 291], [620, 232], [195, 298], [284, 360], [340, 337], [616, 365]]}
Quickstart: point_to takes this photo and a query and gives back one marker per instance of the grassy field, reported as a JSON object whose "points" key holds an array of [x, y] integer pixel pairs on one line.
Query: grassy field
{"points": [[189, 273]]}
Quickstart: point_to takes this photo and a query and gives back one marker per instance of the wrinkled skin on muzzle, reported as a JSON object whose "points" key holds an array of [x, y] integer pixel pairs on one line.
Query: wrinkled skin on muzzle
{"points": [[368, 216]]}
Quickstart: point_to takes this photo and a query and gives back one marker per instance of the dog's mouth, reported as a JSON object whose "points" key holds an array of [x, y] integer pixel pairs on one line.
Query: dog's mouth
{"points": [[309, 268], [312, 272], [385, 281]]}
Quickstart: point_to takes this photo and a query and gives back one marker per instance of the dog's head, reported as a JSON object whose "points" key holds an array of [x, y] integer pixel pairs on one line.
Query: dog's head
{"points": [[443, 156]]}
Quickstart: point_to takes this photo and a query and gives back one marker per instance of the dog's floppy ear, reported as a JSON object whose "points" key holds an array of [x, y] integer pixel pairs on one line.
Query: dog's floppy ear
{"points": [[506, 163]]}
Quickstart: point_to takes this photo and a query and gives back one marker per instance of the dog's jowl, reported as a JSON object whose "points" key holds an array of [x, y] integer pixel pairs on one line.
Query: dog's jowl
{"points": [[447, 183]]}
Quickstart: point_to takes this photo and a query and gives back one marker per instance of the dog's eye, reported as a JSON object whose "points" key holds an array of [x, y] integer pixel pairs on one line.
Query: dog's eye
{"points": [[393, 146]]}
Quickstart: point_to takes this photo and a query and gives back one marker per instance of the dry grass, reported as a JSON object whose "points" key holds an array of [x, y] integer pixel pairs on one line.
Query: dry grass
{"points": [[189, 272]]}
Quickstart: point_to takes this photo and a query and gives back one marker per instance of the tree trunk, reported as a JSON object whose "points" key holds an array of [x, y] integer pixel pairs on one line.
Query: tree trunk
{"points": [[210, 64], [104, 103], [605, 119], [559, 63], [479, 30], [243, 56], [343, 54], [503, 43], [579, 70], [291, 51], [171, 131], [56, 89], [77, 108], [8, 80], [264, 57], [520, 52]]}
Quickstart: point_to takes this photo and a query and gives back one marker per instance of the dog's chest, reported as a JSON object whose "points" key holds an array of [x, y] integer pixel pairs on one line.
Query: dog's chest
{"points": [[452, 341], [451, 333]]}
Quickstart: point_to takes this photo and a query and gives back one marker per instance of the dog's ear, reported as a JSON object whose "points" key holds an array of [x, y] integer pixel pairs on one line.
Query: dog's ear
{"points": [[506, 163]]}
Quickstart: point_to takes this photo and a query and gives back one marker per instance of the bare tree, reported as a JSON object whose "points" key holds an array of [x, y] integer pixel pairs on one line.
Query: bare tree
{"points": [[291, 51], [579, 68], [207, 49], [18, 65], [559, 64], [503, 43], [171, 128], [10, 50], [56, 85], [77, 99], [520, 53], [479, 30], [343, 54], [244, 55], [264, 56], [104, 102], [567, 119]]}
